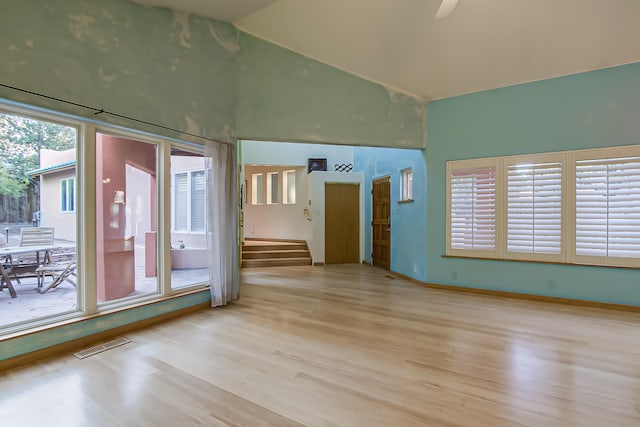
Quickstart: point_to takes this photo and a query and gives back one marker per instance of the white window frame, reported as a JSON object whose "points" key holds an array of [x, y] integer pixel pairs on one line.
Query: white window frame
{"points": [[189, 202], [85, 209], [568, 221], [70, 196], [598, 154], [286, 176], [273, 199], [406, 189], [257, 189], [467, 164], [505, 163]]}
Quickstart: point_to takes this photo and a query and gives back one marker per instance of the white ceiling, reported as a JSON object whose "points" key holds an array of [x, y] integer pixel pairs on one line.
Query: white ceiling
{"points": [[482, 45]]}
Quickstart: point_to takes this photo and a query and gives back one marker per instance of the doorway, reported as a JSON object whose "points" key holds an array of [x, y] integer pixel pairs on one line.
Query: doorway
{"points": [[381, 222], [342, 223]]}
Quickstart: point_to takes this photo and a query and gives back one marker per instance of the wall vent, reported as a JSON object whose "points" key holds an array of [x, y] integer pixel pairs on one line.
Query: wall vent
{"points": [[101, 347]]}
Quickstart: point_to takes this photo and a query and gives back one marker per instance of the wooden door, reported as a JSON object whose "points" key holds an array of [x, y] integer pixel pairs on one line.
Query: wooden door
{"points": [[342, 223], [381, 223]]}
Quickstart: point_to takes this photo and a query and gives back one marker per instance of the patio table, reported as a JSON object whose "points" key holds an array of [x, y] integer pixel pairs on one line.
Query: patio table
{"points": [[9, 251]]}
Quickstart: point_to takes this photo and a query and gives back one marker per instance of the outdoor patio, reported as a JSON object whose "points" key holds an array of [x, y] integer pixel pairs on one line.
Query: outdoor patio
{"points": [[30, 304]]}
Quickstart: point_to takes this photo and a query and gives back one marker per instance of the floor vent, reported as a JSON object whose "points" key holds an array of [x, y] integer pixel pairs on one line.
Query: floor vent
{"points": [[101, 347]]}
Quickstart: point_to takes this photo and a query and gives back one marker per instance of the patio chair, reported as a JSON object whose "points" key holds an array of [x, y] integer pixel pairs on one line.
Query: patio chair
{"points": [[60, 271]]}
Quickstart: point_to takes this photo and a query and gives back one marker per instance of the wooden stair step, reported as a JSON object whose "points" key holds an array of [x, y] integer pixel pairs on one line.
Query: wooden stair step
{"points": [[276, 262], [273, 247], [275, 254]]}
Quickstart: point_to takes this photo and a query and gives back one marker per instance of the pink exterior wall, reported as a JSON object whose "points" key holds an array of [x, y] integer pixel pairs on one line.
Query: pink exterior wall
{"points": [[115, 250]]}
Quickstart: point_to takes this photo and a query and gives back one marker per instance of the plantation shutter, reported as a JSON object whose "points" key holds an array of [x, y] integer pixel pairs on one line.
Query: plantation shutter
{"points": [[608, 207], [473, 208], [181, 195], [197, 201], [534, 208]]}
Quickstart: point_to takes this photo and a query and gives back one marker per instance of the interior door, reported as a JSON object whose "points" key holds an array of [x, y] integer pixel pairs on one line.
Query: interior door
{"points": [[342, 223], [381, 223]]}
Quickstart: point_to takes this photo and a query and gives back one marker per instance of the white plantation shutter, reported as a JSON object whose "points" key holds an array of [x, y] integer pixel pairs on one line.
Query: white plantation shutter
{"points": [[607, 205], [534, 208], [198, 207], [181, 194], [472, 215]]}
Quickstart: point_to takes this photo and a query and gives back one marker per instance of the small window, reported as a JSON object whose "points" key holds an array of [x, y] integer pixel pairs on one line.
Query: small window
{"points": [[289, 185], [407, 184], [198, 205], [257, 191], [67, 195], [272, 188], [181, 201]]}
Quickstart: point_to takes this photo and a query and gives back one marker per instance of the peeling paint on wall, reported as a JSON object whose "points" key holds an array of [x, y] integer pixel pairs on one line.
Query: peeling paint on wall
{"points": [[182, 19], [229, 44], [79, 26], [285, 96], [148, 63]]}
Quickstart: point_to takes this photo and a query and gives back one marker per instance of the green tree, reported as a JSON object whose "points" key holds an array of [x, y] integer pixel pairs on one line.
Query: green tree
{"points": [[21, 139]]}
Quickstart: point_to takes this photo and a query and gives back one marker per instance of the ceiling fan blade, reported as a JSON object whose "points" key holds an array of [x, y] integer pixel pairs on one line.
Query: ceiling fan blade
{"points": [[446, 7]]}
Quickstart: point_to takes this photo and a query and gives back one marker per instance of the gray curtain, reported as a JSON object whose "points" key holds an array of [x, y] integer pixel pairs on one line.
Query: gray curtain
{"points": [[222, 229]]}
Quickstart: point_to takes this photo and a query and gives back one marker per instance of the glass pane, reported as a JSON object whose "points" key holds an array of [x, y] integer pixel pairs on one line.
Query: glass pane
{"points": [[197, 201], [189, 249], [181, 201], [272, 187], [38, 238], [63, 195], [125, 218], [290, 187]]}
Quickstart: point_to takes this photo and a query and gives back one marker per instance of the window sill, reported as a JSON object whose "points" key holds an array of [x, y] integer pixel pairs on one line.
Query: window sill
{"points": [[405, 201], [540, 262]]}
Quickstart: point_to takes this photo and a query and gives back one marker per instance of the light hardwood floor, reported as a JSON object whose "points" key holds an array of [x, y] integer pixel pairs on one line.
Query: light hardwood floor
{"points": [[349, 346]]}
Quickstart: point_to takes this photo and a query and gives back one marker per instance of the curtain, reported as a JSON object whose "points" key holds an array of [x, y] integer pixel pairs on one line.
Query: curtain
{"points": [[222, 238]]}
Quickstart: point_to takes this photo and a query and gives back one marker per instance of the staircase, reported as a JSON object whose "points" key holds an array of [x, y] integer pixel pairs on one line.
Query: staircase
{"points": [[269, 253]]}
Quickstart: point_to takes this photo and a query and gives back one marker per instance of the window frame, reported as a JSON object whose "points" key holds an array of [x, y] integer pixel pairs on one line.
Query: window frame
{"points": [[599, 154], [69, 196], [286, 174], [468, 164], [85, 209], [504, 171], [406, 189], [189, 201]]}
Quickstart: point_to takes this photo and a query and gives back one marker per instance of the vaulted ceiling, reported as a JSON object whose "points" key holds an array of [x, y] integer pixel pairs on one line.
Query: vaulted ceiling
{"points": [[483, 44]]}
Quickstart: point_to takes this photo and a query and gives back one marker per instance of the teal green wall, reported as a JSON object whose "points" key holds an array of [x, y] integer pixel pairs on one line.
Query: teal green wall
{"points": [[284, 96], [408, 220], [137, 61], [595, 109]]}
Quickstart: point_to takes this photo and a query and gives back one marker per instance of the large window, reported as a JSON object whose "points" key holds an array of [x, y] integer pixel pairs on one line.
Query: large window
{"points": [[90, 219], [580, 207]]}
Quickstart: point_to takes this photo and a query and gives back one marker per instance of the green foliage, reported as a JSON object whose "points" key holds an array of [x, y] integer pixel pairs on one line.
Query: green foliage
{"points": [[21, 139]]}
